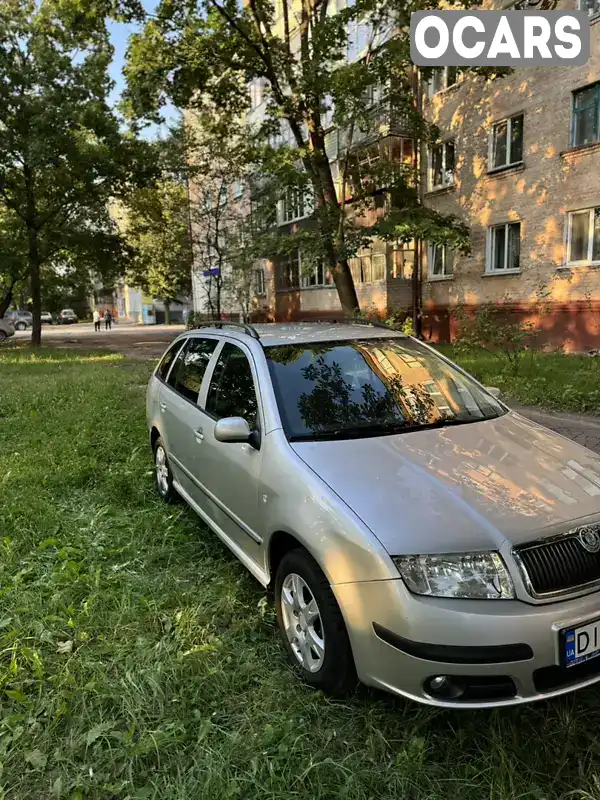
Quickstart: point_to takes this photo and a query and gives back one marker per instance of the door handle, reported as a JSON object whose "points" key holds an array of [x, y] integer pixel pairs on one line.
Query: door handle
{"points": [[163, 407], [199, 435]]}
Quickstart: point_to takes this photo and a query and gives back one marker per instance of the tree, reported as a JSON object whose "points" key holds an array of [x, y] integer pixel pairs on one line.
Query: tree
{"points": [[155, 224], [316, 66], [62, 151]]}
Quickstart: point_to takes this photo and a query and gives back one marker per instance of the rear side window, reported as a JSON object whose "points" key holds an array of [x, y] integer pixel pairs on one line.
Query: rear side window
{"points": [[231, 392], [163, 368], [188, 371]]}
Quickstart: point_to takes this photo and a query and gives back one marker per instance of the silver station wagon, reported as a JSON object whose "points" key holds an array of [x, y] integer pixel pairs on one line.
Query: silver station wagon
{"points": [[418, 535]]}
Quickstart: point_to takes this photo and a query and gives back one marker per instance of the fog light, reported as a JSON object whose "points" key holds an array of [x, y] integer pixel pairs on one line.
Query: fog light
{"points": [[444, 687], [439, 682]]}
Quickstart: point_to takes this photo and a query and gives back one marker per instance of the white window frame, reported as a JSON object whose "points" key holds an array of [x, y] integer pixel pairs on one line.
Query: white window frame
{"points": [[305, 277], [259, 282], [489, 269], [508, 162], [238, 189], [431, 185], [430, 92], [305, 205], [592, 12], [590, 249], [444, 275]]}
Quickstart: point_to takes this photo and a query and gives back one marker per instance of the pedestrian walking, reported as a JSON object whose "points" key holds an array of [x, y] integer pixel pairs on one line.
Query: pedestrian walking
{"points": [[107, 320], [96, 316]]}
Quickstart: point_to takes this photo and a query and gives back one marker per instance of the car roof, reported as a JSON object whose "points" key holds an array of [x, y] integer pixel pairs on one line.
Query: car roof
{"points": [[280, 333]]}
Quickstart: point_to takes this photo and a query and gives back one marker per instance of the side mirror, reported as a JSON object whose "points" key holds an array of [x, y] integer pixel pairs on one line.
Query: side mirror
{"points": [[494, 391], [232, 429]]}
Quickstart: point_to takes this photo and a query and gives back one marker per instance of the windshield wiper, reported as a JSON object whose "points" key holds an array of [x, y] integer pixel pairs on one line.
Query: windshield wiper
{"points": [[366, 431]]}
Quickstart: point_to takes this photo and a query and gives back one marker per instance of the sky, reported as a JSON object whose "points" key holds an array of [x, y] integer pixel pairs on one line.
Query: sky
{"points": [[119, 34]]}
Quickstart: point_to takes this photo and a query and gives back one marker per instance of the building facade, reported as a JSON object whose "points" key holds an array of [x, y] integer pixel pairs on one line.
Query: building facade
{"points": [[520, 163]]}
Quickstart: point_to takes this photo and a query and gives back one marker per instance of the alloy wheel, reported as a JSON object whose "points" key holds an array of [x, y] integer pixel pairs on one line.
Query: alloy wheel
{"points": [[162, 470], [302, 622]]}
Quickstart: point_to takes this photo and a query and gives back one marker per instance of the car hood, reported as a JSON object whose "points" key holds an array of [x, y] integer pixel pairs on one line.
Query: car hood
{"points": [[461, 488]]}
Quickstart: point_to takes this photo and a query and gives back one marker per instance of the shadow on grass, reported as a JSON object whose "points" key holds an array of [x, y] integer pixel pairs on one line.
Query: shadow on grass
{"points": [[23, 355]]}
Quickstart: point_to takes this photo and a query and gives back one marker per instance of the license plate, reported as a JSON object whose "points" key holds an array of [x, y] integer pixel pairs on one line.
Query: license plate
{"points": [[582, 643]]}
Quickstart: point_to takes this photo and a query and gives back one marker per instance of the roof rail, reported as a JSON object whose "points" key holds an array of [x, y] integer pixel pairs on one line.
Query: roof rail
{"points": [[218, 323], [353, 321]]}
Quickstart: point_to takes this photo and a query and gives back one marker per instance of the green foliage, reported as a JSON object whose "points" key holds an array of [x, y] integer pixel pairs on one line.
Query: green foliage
{"points": [[62, 151], [202, 56], [507, 337], [155, 224], [139, 659], [550, 380]]}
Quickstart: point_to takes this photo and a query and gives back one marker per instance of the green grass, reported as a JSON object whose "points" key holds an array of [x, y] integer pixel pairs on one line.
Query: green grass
{"points": [[138, 659], [550, 380]]}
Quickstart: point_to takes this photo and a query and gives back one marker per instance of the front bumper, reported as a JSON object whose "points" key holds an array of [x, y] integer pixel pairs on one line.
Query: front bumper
{"points": [[395, 635]]}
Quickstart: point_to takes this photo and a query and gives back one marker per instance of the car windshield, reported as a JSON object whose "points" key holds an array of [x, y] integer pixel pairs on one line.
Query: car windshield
{"points": [[371, 387]]}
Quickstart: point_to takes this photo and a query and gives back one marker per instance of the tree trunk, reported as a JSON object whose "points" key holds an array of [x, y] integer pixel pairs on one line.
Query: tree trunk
{"points": [[218, 297], [7, 300], [167, 312], [33, 260], [319, 168]]}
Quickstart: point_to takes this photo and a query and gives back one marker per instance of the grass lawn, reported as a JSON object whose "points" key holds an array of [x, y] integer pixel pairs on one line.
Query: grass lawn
{"points": [[550, 380], [138, 659]]}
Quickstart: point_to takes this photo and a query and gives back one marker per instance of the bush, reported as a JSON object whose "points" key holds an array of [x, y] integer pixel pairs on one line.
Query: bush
{"points": [[489, 328]]}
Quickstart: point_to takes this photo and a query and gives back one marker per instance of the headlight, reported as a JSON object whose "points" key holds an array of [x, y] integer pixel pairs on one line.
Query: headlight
{"points": [[479, 576]]}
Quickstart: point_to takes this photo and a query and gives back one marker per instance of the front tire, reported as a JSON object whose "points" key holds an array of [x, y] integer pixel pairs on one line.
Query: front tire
{"points": [[3, 336], [20, 326], [163, 476], [311, 625]]}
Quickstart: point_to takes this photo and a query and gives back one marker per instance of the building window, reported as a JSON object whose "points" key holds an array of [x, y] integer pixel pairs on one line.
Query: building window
{"points": [[504, 247], [359, 38], [295, 204], [506, 142], [441, 78], [586, 105], [441, 165], [257, 92], [591, 6], [238, 189], [441, 261], [223, 193], [583, 236], [259, 282], [403, 260], [316, 276], [288, 273], [369, 264]]}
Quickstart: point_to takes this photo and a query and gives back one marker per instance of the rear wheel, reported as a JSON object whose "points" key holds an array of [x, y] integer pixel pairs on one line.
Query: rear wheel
{"points": [[162, 473], [3, 336], [311, 625], [20, 326]]}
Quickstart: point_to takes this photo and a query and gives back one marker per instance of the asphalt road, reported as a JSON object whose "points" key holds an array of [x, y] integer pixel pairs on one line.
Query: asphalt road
{"points": [[135, 341]]}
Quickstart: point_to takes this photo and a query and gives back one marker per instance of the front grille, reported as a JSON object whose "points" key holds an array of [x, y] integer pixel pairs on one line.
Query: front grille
{"points": [[559, 565]]}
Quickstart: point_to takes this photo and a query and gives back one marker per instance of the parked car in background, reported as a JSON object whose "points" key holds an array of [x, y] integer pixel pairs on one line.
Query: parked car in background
{"points": [[67, 316], [21, 320], [47, 318], [419, 535], [6, 329]]}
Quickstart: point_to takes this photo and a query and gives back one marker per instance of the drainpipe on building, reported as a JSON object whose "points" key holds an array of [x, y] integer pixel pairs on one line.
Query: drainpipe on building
{"points": [[418, 162]]}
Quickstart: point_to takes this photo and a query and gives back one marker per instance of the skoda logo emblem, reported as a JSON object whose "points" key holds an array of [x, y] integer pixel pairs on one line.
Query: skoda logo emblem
{"points": [[590, 539]]}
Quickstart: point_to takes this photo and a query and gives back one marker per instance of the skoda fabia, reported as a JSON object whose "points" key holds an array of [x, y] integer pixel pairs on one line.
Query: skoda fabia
{"points": [[418, 534]]}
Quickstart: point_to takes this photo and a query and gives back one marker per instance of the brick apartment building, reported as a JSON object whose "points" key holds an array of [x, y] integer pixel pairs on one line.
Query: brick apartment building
{"points": [[520, 163]]}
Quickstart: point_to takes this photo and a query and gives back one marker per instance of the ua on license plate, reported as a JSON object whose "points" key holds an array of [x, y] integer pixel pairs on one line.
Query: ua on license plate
{"points": [[582, 643]]}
